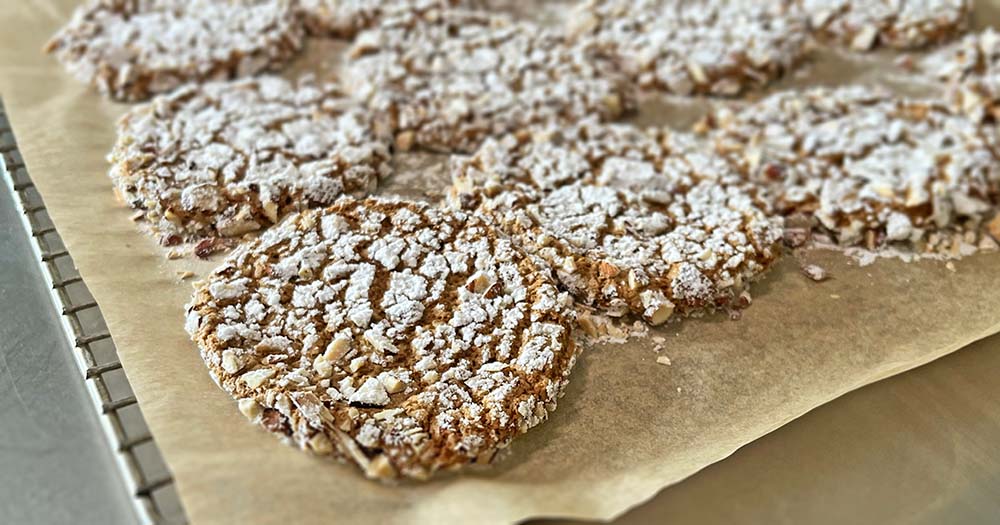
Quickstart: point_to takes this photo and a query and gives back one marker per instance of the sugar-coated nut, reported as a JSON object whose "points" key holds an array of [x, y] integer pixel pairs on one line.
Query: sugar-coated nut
{"points": [[380, 468], [370, 393], [230, 363], [256, 378], [569, 264], [380, 343], [249, 408], [322, 367], [661, 314], [357, 363], [320, 444], [270, 211], [393, 385], [479, 283], [337, 349], [865, 38], [658, 308]]}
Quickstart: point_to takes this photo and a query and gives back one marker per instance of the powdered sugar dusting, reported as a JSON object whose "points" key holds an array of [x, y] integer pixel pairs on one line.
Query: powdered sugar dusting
{"points": [[449, 78], [870, 168], [902, 24], [227, 158], [971, 70], [463, 342], [718, 47], [345, 18], [676, 230], [132, 49]]}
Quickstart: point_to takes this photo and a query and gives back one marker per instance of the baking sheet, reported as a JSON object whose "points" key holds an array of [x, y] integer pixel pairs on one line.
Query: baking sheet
{"points": [[627, 426]]}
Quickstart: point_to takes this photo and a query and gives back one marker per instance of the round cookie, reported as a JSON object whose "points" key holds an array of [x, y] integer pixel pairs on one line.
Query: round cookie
{"points": [[132, 49], [223, 159], [971, 70], [631, 221], [404, 338], [902, 24], [346, 18], [868, 167], [714, 47], [450, 78]]}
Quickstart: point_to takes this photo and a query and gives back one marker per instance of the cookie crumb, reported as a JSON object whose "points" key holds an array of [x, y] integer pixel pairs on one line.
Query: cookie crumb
{"points": [[815, 272]]}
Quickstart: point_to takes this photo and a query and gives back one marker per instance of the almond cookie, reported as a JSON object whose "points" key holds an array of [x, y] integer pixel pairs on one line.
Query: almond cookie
{"points": [[346, 18], [631, 221], [902, 24], [971, 70], [223, 159], [715, 47], [132, 49], [868, 167], [450, 78], [403, 338]]}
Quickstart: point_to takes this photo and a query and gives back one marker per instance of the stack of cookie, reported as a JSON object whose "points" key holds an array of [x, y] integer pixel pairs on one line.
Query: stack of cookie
{"points": [[410, 338]]}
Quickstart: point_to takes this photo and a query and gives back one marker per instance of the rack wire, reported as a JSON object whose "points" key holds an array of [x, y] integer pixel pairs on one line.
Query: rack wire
{"points": [[141, 463]]}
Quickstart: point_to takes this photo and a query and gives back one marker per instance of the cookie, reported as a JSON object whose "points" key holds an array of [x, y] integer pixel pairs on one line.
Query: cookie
{"points": [[648, 223], [713, 47], [450, 78], [400, 337], [869, 168], [863, 25], [133, 49], [223, 159], [346, 18], [970, 68]]}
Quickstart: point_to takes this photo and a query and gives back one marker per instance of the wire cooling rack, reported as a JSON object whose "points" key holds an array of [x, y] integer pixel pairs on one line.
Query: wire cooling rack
{"points": [[135, 450]]}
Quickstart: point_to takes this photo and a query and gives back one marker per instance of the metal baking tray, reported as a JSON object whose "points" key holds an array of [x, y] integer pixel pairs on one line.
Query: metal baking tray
{"points": [[134, 456]]}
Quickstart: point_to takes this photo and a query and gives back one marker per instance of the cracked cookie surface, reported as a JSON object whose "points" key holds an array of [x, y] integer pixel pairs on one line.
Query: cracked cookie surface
{"points": [[224, 159], [346, 18], [132, 49], [400, 337], [713, 47], [971, 70], [870, 168], [647, 222], [902, 24], [450, 78]]}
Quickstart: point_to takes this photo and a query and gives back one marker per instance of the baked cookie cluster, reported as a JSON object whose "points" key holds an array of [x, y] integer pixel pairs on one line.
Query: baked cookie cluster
{"points": [[403, 338], [411, 338]]}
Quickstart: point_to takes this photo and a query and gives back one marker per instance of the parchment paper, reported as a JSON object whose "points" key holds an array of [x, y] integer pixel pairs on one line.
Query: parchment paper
{"points": [[627, 426]]}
